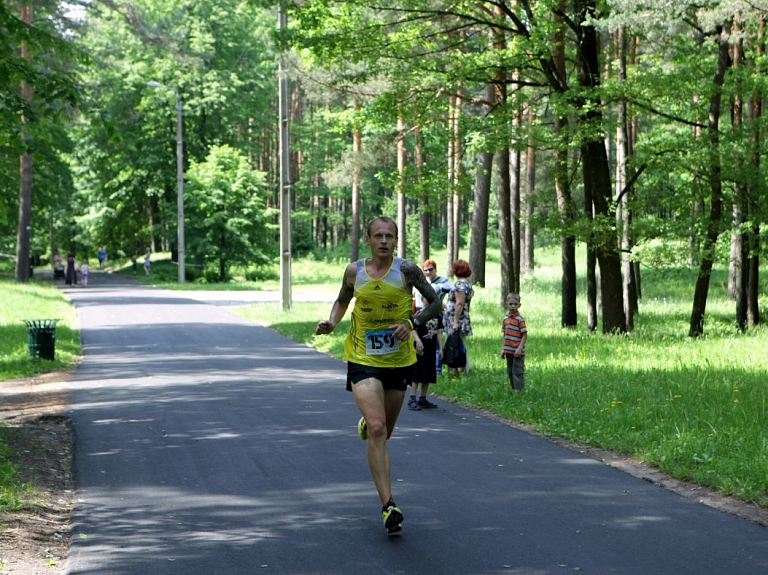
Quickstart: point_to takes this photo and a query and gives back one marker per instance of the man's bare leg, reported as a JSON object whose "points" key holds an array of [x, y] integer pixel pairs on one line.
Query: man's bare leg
{"points": [[381, 409]]}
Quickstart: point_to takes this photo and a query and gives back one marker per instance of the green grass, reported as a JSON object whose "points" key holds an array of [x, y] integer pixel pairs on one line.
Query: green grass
{"points": [[309, 275], [696, 408], [10, 487], [34, 300]]}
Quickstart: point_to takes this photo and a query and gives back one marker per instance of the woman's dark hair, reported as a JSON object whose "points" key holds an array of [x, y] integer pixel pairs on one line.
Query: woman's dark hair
{"points": [[461, 269]]}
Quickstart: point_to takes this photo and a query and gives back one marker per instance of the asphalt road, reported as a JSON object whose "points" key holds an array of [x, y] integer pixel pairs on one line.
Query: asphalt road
{"points": [[206, 444]]}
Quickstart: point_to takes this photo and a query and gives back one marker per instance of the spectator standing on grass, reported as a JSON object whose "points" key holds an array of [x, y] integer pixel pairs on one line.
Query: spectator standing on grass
{"points": [[442, 288], [148, 261], [378, 348], [85, 270], [513, 348], [457, 317], [430, 337]]}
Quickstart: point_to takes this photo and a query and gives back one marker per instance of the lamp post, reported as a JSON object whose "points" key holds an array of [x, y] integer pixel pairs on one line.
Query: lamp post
{"points": [[179, 175]]}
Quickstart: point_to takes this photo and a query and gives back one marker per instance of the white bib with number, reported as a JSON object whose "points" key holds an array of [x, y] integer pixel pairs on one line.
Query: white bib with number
{"points": [[381, 342]]}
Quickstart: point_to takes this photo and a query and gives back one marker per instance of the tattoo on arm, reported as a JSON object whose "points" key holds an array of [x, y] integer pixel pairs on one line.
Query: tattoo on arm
{"points": [[416, 278], [345, 293]]}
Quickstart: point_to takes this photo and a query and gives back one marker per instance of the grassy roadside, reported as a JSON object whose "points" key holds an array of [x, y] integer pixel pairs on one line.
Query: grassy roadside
{"points": [[307, 274], [696, 409], [35, 300]]}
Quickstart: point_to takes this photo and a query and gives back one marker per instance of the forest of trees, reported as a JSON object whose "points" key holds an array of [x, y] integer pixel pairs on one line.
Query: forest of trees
{"points": [[632, 127]]}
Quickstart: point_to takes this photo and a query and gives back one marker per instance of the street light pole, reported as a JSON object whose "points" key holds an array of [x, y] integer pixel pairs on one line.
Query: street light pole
{"points": [[179, 176], [285, 174], [180, 186]]}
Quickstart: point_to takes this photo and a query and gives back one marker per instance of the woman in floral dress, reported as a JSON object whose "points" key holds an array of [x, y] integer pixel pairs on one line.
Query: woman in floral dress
{"points": [[456, 316]]}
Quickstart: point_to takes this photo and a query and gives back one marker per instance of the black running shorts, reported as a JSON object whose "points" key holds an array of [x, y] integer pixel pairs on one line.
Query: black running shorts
{"points": [[398, 378]]}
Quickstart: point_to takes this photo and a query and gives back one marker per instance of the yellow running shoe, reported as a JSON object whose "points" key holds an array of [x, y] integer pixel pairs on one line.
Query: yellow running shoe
{"points": [[392, 517], [362, 429]]}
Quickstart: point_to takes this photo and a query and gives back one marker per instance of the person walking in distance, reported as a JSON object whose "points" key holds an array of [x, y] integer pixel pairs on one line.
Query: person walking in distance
{"points": [[513, 347], [102, 256], [85, 271], [378, 350], [71, 274]]}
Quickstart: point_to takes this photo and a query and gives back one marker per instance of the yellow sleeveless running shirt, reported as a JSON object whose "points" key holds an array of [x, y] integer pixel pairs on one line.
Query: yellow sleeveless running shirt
{"points": [[378, 305]]}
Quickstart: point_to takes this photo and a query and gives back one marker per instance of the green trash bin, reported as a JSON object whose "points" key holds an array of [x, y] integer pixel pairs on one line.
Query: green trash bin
{"points": [[41, 337]]}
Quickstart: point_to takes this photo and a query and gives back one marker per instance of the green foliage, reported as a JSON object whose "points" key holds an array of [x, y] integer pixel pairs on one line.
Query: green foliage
{"points": [[35, 126], [262, 273], [216, 58], [227, 223]]}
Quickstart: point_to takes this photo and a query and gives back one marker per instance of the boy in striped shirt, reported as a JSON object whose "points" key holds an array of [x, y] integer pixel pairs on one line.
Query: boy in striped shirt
{"points": [[513, 347]]}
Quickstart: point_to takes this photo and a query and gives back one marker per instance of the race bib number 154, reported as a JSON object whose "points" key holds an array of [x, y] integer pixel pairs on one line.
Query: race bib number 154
{"points": [[381, 342]]}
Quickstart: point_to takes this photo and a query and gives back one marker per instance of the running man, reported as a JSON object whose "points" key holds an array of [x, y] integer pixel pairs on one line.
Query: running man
{"points": [[378, 349]]}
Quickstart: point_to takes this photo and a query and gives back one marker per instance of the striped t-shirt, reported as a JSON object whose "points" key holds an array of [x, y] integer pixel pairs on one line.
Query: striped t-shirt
{"points": [[513, 328]]}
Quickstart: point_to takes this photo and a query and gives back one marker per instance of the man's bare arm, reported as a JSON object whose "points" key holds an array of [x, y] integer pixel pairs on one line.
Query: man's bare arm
{"points": [[416, 278], [346, 293]]}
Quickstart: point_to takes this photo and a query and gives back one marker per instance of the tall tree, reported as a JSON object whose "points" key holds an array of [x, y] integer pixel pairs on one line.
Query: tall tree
{"points": [[481, 201], [596, 171], [716, 187], [25, 169], [566, 210]]}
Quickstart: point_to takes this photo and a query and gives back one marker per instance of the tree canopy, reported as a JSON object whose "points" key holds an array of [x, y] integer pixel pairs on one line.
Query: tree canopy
{"points": [[633, 127]]}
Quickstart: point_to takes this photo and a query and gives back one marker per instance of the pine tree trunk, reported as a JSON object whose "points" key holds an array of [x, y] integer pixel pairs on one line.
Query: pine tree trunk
{"points": [[402, 236], [716, 191], [597, 176], [418, 160], [456, 135], [514, 209], [25, 173], [753, 259], [478, 242], [526, 250], [568, 312], [505, 230], [357, 138], [737, 269], [450, 248]]}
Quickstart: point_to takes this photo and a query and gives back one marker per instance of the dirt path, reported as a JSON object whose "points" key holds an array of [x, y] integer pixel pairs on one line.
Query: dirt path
{"points": [[35, 539]]}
